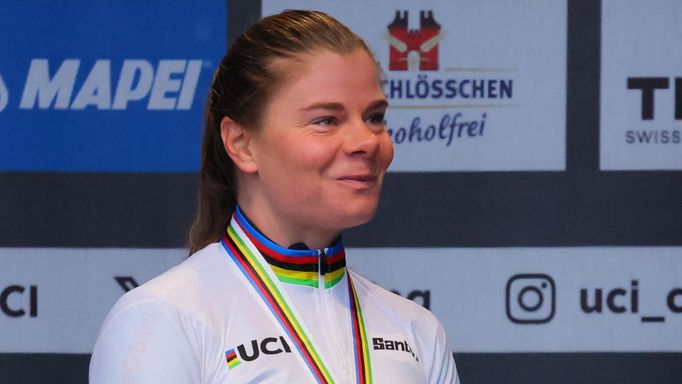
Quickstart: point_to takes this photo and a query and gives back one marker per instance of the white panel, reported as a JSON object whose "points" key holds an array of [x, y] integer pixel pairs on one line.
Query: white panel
{"points": [[641, 39]]}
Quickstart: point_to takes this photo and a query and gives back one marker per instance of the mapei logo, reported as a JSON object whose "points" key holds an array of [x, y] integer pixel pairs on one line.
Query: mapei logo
{"points": [[414, 49], [267, 346], [166, 85]]}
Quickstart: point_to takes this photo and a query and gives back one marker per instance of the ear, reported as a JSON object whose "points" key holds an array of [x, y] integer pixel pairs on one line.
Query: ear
{"points": [[237, 143]]}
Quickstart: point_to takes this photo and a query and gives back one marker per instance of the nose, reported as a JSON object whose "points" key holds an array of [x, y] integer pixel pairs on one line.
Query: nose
{"points": [[362, 139]]}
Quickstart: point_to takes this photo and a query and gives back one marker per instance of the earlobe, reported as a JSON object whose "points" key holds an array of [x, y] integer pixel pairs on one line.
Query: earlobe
{"points": [[237, 140]]}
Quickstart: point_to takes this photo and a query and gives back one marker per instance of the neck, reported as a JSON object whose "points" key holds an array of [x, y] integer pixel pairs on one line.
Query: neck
{"points": [[288, 231]]}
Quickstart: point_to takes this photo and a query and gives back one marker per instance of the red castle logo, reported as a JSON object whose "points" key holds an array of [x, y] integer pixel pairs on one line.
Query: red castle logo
{"points": [[412, 49]]}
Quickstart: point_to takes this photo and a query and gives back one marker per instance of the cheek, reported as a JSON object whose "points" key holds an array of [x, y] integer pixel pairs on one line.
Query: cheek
{"points": [[299, 156], [311, 157], [315, 155], [386, 151]]}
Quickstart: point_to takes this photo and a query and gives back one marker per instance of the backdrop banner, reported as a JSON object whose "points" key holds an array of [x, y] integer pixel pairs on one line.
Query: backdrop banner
{"points": [[601, 299], [106, 86], [641, 85]]}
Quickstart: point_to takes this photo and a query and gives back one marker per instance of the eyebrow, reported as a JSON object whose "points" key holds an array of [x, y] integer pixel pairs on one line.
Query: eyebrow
{"points": [[339, 107], [379, 103], [323, 105]]}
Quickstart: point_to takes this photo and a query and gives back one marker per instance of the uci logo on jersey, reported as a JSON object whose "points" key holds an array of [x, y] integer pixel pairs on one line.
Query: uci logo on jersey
{"points": [[252, 350]]}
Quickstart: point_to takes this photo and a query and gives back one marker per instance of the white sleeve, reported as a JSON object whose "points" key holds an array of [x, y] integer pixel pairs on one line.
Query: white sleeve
{"points": [[443, 369], [438, 360], [144, 342]]}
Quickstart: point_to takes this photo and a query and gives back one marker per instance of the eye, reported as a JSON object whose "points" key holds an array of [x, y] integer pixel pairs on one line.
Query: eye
{"points": [[325, 121], [376, 118]]}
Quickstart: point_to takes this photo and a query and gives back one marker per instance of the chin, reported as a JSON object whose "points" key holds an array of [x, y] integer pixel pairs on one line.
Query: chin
{"points": [[358, 215]]}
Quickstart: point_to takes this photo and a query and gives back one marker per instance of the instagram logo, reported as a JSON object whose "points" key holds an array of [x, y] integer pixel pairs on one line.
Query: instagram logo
{"points": [[530, 298]]}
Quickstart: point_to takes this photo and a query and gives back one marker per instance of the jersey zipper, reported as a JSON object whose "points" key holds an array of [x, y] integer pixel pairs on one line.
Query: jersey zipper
{"points": [[337, 324], [321, 267]]}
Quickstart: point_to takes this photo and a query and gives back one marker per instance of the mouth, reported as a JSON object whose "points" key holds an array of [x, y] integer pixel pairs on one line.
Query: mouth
{"points": [[359, 182]]}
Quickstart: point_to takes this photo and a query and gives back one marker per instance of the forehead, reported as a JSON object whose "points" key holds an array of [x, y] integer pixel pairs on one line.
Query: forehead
{"points": [[331, 75]]}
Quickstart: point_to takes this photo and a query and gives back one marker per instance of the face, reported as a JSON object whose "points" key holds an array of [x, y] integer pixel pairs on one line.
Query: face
{"points": [[322, 148]]}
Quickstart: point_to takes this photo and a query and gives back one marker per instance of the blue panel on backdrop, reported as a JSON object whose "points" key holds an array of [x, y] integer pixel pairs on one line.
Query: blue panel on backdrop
{"points": [[106, 86]]}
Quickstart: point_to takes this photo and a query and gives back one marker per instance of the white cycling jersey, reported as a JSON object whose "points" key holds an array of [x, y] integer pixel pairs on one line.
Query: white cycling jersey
{"points": [[247, 310]]}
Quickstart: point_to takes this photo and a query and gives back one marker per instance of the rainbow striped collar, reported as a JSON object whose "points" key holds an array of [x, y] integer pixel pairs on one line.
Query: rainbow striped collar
{"points": [[297, 266], [241, 248]]}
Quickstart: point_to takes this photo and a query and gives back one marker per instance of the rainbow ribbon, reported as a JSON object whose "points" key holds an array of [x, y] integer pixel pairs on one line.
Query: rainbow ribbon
{"points": [[269, 291]]}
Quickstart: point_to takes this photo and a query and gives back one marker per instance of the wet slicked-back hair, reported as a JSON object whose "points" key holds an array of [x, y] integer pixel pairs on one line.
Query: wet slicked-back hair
{"points": [[242, 87]]}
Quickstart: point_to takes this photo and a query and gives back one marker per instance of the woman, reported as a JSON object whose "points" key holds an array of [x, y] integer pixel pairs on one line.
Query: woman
{"points": [[295, 150]]}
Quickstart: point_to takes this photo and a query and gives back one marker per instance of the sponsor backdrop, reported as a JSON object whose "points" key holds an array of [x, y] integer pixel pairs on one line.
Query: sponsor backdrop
{"points": [[641, 86], [533, 205], [94, 89]]}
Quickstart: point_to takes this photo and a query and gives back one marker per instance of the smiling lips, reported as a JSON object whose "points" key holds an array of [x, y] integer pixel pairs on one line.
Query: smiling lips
{"points": [[359, 182]]}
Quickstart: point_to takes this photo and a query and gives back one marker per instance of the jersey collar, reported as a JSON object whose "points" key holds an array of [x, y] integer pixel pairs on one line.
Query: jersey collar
{"points": [[297, 266]]}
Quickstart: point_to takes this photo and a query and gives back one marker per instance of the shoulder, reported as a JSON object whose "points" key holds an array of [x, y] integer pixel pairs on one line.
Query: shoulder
{"points": [[395, 305], [180, 285], [185, 290], [161, 321], [174, 291]]}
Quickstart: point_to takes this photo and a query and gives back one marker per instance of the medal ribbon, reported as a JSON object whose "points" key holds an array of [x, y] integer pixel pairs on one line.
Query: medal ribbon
{"points": [[255, 271], [363, 369]]}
